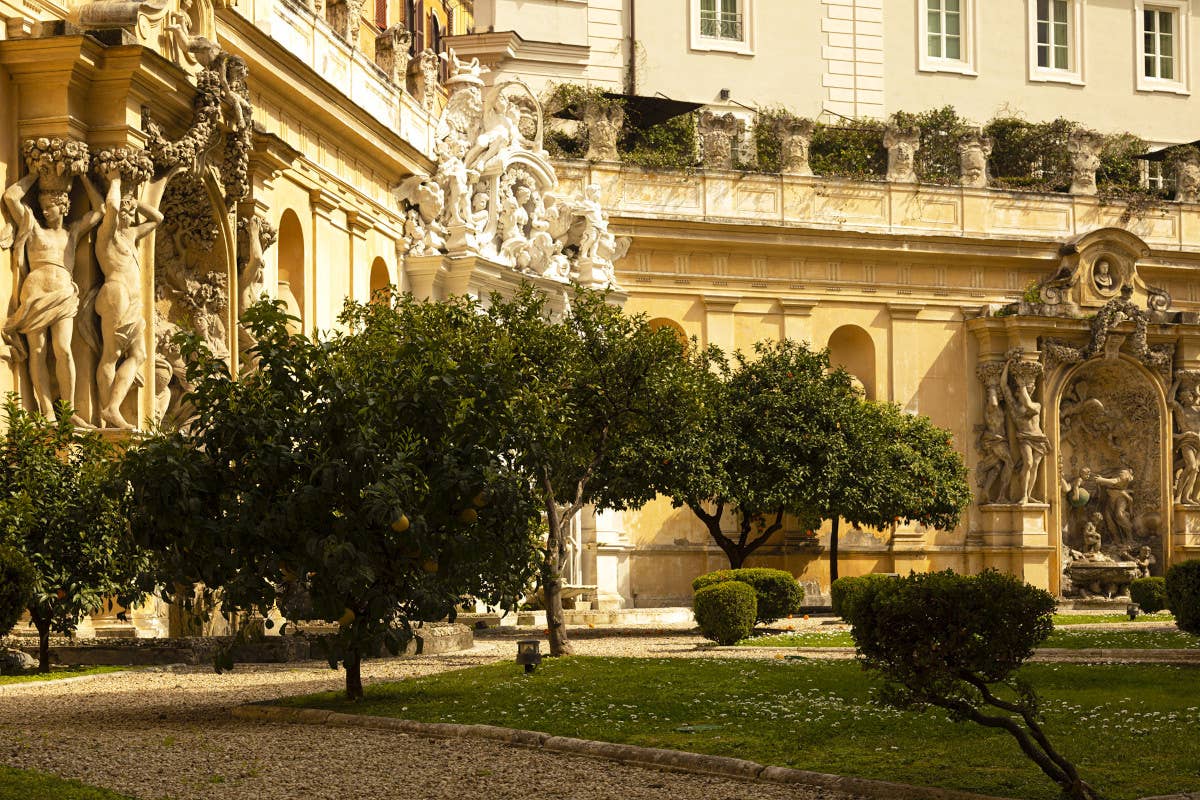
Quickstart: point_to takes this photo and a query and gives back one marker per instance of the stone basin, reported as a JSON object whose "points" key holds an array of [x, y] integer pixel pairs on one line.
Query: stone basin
{"points": [[1103, 578]]}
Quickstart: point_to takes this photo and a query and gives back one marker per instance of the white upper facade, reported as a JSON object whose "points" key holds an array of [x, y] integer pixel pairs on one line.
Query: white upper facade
{"points": [[1110, 64]]}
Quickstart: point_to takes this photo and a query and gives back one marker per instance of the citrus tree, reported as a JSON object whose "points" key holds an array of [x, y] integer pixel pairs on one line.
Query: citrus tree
{"points": [[599, 396], [61, 506], [768, 426], [359, 478]]}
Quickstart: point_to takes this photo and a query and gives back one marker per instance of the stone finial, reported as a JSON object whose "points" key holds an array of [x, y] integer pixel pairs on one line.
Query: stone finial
{"points": [[344, 17], [423, 75], [973, 151], [1084, 147], [603, 120], [902, 145], [746, 148], [795, 137], [717, 132], [391, 52], [1187, 177]]}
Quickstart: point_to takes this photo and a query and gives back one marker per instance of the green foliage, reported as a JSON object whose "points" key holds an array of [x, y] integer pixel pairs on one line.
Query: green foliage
{"points": [[61, 506], [928, 631], [671, 144], [777, 592], [937, 161], [1029, 155], [1149, 593], [361, 477], [768, 142], [843, 592], [17, 579], [597, 400], [955, 641], [849, 149], [572, 96], [725, 611], [1183, 594], [768, 423]]}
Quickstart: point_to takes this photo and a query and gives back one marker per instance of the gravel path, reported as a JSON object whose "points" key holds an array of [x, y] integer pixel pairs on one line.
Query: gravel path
{"points": [[169, 734]]}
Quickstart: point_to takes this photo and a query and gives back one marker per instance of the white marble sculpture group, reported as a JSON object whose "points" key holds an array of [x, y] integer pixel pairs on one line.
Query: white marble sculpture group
{"points": [[493, 193]]}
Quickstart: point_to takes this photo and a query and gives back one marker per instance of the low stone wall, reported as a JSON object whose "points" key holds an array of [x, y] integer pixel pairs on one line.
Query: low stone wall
{"points": [[437, 638]]}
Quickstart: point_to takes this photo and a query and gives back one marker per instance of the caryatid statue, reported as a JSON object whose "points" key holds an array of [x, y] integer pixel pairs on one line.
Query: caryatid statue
{"points": [[119, 300], [48, 298], [1026, 416]]}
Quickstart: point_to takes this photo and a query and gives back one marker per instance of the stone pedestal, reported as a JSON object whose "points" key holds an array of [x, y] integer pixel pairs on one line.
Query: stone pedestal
{"points": [[609, 561], [1015, 538], [1185, 535]]}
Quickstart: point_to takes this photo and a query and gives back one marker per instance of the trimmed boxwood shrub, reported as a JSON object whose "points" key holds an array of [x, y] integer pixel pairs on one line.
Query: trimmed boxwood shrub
{"points": [[1149, 593], [776, 590], [843, 590], [17, 578], [725, 611], [1183, 594]]}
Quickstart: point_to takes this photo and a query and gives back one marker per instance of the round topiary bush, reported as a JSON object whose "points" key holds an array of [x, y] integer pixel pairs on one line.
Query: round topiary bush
{"points": [[1149, 593], [17, 577], [1183, 594], [776, 590], [840, 590], [725, 611]]}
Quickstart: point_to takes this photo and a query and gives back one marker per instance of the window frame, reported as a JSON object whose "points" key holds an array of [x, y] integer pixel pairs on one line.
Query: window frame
{"points": [[743, 46], [1182, 83], [1075, 74], [965, 63]]}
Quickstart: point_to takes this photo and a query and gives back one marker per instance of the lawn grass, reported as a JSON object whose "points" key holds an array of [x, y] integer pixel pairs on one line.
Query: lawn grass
{"points": [[1131, 639], [57, 672], [1089, 619], [1134, 730], [24, 784]]}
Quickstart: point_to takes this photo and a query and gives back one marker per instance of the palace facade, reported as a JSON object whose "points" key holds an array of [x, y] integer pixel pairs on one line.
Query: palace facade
{"points": [[169, 160]]}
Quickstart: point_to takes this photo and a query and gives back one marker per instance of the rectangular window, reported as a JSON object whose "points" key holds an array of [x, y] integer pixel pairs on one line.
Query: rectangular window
{"points": [[1158, 41], [721, 19], [944, 29], [1054, 34]]}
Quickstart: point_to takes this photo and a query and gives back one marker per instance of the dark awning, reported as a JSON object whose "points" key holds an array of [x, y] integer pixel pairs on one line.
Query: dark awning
{"points": [[641, 111], [1161, 155]]}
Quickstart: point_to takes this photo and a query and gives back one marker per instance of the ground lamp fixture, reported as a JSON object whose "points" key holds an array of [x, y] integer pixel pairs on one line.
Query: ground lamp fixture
{"points": [[528, 653]]}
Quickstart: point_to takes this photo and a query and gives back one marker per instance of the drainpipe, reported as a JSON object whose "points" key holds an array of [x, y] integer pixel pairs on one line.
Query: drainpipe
{"points": [[631, 70]]}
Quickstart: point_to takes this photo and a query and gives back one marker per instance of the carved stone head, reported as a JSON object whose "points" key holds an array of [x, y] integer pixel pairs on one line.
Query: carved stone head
{"points": [[973, 152], [902, 145], [55, 207]]}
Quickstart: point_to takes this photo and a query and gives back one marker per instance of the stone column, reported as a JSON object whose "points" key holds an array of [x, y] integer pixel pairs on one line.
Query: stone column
{"points": [[612, 554], [718, 322], [359, 225], [321, 315], [905, 374], [797, 318]]}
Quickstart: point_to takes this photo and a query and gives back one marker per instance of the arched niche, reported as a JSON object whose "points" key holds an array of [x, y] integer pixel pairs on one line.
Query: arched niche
{"points": [[852, 348], [658, 323], [291, 263], [1114, 444], [380, 277]]}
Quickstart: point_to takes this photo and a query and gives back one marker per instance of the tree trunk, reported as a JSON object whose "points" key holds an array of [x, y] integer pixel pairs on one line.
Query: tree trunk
{"points": [[43, 629], [556, 626], [353, 665], [833, 549]]}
